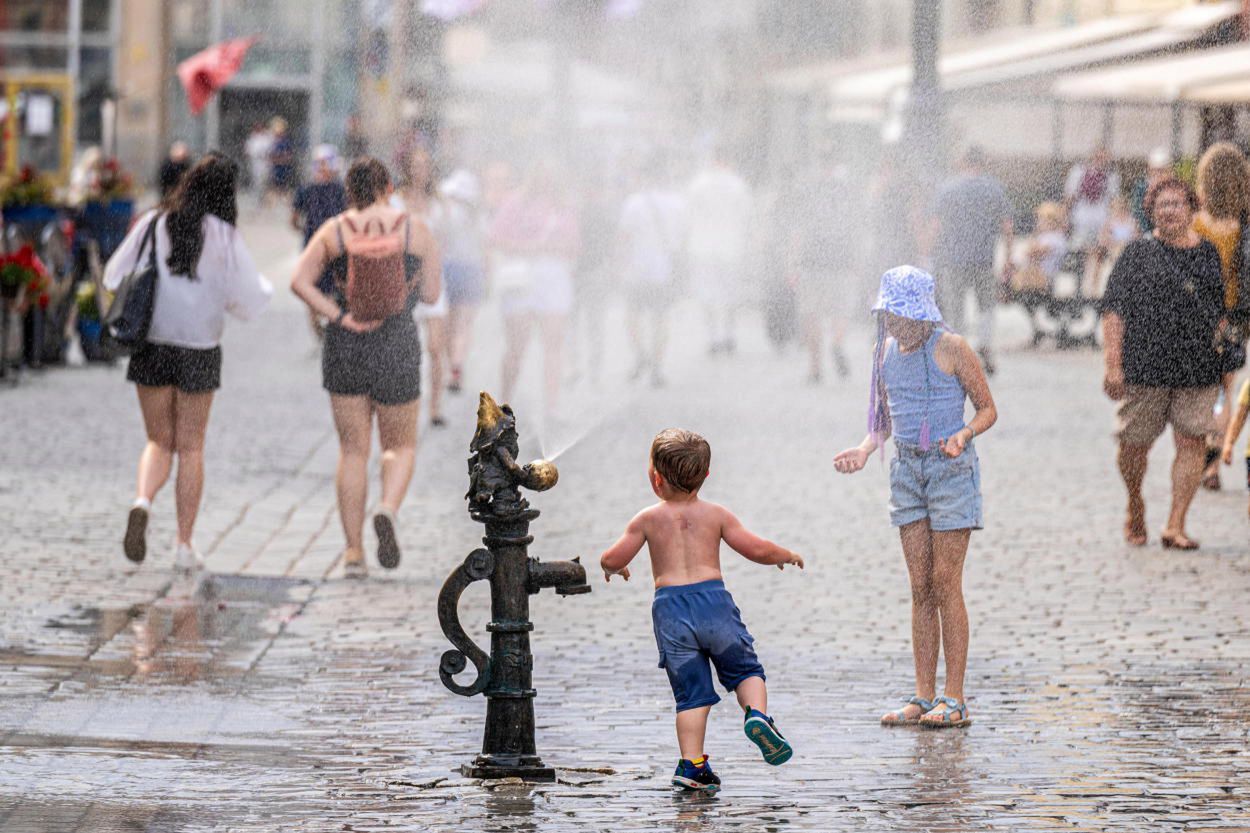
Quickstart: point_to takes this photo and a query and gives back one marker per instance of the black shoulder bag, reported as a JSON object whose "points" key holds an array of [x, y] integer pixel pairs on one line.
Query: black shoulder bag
{"points": [[130, 314]]}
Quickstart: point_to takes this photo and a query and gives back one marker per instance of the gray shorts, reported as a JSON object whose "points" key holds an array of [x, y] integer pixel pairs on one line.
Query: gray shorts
{"points": [[928, 484]]}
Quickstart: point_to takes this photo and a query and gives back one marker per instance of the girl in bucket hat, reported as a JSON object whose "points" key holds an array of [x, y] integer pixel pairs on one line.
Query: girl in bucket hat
{"points": [[921, 376]]}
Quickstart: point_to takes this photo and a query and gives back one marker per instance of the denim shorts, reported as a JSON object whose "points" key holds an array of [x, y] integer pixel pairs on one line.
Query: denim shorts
{"points": [[928, 484], [697, 627]]}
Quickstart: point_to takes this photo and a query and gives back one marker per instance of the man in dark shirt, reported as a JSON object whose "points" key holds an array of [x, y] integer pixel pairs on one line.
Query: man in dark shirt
{"points": [[172, 170], [322, 198], [1162, 309], [972, 211]]}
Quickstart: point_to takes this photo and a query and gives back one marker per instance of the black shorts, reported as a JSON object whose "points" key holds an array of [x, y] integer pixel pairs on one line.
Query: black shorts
{"points": [[384, 365], [164, 365]]}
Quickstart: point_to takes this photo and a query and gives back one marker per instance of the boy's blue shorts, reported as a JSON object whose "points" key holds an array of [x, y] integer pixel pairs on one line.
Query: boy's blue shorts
{"points": [[695, 624]]}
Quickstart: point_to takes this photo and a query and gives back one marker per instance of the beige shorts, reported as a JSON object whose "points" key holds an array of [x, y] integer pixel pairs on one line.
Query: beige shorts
{"points": [[1145, 412]]}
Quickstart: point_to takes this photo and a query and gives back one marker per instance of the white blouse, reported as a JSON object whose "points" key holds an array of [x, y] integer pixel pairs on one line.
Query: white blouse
{"points": [[191, 312]]}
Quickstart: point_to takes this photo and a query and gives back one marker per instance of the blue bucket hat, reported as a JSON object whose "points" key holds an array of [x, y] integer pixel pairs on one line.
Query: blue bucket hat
{"points": [[908, 293]]}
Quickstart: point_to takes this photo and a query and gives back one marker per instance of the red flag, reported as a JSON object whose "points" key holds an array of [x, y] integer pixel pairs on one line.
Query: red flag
{"points": [[204, 73]]}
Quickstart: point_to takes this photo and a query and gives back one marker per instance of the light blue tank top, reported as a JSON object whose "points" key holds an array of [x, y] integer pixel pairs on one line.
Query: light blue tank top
{"points": [[917, 388]]}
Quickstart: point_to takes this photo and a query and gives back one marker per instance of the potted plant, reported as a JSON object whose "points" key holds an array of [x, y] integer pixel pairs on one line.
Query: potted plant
{"points": [[89, 324], [23, 276], [23, 283], [27, 199], [110, 205]]}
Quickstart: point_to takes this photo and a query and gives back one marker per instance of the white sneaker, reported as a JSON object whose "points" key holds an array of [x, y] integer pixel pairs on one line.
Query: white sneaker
{"points": [[187, 560]]}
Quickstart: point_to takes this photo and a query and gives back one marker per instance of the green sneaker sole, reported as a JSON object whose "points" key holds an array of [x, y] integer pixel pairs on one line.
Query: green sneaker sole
{"points": [[775, 749]]}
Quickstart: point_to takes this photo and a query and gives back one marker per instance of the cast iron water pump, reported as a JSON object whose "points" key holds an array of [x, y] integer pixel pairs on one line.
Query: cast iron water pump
{"points": [[505, 677]]}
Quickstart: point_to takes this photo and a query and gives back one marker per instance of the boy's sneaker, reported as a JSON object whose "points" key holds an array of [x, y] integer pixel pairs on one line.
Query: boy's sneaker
{"points": [[697, 778], [762, 732]]}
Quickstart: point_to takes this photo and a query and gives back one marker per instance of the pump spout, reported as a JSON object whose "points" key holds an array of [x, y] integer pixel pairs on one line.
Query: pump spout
{"points": [[567, 577]]}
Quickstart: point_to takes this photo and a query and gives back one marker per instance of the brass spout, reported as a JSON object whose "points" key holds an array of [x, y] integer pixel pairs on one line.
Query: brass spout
{"points": [[567, 577], [540, 475]]}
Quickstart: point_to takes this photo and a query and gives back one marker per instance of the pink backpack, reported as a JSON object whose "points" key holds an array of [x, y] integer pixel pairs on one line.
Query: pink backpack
{"points": [[377, 281]]}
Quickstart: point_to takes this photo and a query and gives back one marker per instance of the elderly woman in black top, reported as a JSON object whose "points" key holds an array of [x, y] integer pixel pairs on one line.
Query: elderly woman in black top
{"points": [[1161, 313]]}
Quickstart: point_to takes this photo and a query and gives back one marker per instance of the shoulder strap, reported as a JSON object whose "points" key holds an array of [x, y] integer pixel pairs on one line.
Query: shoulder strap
{"points": [[407, 231], [149, 242]]}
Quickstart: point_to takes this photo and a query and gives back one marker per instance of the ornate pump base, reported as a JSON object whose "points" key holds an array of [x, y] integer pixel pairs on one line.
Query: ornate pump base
{"points": [[505, 676]]}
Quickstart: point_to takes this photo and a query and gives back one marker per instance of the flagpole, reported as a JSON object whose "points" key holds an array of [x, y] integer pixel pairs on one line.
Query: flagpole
{"points": [[212, 117]]}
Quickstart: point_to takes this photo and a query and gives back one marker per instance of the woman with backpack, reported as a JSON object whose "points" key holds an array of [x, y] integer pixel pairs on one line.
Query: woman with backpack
{"points": [[383, 261], [204, 270]]}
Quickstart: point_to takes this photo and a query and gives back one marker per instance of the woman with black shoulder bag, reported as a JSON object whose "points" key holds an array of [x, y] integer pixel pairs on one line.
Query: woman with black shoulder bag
{"points": [[203, 271]]}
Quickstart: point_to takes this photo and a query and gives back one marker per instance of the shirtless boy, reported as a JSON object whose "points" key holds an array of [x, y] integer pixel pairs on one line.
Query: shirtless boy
{"points": [[695, 618]]}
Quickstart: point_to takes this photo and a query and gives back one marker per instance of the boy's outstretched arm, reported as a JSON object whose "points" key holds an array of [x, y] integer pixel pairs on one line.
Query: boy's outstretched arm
{"points": [[754, 548], [615, 561]]}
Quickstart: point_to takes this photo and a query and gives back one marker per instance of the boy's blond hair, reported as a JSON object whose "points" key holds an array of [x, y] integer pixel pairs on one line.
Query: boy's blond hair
{"points": [[682, 458]]}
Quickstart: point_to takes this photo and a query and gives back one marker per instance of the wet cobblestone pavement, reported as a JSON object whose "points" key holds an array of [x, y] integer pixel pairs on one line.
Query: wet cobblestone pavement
{"points": [[1108, 685]]}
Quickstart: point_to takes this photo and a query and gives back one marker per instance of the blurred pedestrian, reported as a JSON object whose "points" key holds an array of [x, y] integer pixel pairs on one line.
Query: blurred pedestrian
{"points": [[316, 203], [536, 239], [824, 251], [595, 278], [173, 169], [1033, 283], [355, 142], [1235, 426], [257, 147], [721, 211], [464, 265], [650, 237], [369, 364], [1224, 196], [972, 212], [1087, 193], [281, 160], [1163, 306], [1158, 166], [922, 377], [204, 271], [420, 197]]}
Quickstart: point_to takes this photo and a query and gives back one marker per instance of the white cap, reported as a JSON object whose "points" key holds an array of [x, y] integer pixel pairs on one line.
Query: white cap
{"points": [[325, 153], [1159, 158], [461, 185]]}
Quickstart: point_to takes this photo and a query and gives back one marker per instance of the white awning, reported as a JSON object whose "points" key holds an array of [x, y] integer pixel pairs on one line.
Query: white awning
{"points": [[1173, 29], [1162, 80], [1004, 49], [1225, 92]]}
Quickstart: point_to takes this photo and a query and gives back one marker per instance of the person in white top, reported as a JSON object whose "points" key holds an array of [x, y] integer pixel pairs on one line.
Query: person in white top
{"points": [[720, 207], [420, 198], [256, 148], [650, 235], [204, 271]]}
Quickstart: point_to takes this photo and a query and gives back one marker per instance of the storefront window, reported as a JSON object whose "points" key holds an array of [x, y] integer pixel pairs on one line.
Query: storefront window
{"points": [[94, 86], [96, 15], [34, 16], [34, 57]]}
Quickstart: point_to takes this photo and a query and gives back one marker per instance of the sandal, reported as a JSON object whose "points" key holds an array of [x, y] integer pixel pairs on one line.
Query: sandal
{"points": [[898, 717], [945, 719], [1135, 534], [1177, 541]]}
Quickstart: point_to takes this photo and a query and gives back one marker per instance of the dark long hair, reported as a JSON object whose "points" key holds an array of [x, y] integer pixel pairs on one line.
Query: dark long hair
{"points": [[208, 188]]}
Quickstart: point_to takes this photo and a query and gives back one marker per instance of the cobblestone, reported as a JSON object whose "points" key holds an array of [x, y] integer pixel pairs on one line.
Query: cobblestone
{"points": [[1108, 685]]}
